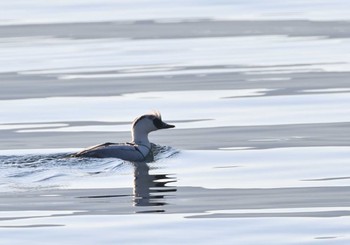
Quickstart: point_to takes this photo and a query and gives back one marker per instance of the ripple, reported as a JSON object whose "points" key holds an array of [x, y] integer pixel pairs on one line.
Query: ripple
{"points": [[31, 170]]}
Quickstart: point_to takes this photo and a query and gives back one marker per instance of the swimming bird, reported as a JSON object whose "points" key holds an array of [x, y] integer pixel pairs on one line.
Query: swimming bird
{"points": [[138, 149]]}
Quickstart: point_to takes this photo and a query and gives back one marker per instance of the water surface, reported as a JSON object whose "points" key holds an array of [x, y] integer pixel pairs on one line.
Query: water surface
{"points": [[259, 94]]}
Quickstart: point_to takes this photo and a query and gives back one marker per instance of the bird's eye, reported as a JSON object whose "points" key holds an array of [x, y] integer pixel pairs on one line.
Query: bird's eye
{"points": [[158, 123]]}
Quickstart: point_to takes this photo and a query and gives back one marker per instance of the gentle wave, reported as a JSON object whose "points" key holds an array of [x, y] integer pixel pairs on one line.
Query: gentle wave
{"points": [[59, 169]]}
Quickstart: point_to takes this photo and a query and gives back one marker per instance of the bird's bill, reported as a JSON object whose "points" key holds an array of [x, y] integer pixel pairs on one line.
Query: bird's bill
{"points": [[165, 125]]}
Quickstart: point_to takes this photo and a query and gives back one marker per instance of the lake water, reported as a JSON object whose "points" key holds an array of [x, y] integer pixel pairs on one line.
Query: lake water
{"points": [[259, 93]]}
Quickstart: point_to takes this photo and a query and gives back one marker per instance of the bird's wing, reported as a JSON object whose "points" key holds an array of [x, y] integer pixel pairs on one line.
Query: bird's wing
{"points": [[122, 151], [95, 147]]}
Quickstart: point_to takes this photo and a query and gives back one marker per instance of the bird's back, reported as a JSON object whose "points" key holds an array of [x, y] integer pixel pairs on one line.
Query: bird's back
{"points": [[123, 151]]}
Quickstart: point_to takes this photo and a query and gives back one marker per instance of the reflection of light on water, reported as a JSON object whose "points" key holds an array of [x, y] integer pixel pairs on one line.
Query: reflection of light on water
{"points": [[236, 148], [170, 12], [98, 58], [278, 139], [327, 90], [281, 210], [268, 168], [31, 126], [246, 107], [35, 213]]}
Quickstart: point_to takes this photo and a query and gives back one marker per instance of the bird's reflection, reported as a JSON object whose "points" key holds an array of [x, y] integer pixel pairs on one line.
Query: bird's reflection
{"points": [[151, 189]]}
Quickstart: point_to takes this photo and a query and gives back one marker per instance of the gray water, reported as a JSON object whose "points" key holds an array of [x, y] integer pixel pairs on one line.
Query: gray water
{"points": [[259, 94]]}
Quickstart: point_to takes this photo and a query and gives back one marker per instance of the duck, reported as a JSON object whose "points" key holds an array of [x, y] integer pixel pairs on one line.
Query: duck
{"points": [[139, 149]]}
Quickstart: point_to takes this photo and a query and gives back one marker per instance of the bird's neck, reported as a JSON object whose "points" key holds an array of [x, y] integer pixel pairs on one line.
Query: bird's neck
{"points": [[140, 137]]}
